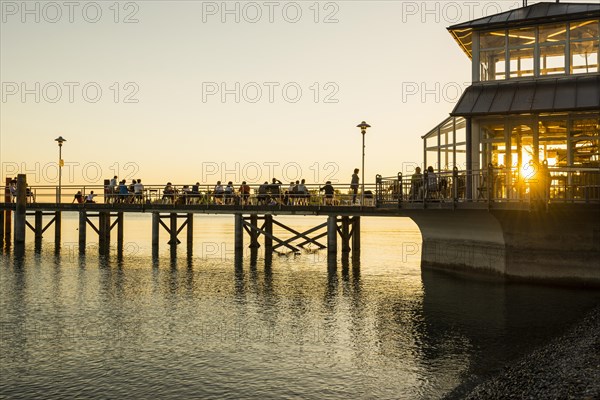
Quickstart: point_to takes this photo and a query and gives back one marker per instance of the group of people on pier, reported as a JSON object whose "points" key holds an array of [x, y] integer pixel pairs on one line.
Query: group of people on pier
{"points": [[268, 193], [121, 192]]}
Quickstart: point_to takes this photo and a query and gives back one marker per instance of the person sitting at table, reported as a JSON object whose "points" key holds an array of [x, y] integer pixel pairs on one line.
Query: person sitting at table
{"points": [[229, 193], [195, 193], [168, 193], [218, 193], [13, 191], [123, 192], [184, 196], [263, 195], [244, 193], [303, 193], [138, 190], [78, 198], [329, 192]]}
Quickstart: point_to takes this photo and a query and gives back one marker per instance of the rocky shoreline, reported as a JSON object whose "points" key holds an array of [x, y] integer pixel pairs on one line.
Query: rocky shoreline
{"points": [[566, 368]]}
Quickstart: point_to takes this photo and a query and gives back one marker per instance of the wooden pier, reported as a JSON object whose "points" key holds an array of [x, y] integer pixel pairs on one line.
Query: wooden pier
{"points": [[508, 237]]}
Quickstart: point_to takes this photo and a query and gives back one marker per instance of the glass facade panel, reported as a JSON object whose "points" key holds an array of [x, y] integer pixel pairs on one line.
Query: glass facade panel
{"points": [[461, 157], [552, 60], [584, 57], [584, 30], [521, 37], [490, 40], [553, 142], [585, 135], [521, 63], [552, 33], [492, 65]]}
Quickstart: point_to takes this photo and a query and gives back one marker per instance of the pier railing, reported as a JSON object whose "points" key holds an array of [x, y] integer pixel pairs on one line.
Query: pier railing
{"points": [[180, 194], [546, 184], [492, 185]]}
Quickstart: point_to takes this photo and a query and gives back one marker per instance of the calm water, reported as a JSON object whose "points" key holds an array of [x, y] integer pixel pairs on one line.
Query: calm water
{"points": [[200, 328]]}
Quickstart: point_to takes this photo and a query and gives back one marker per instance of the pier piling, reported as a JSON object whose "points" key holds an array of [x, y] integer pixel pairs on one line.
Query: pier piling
{"points": [[269, 233], [239, 234], [82, 231], [345, 234], [20, 213], [331, 236], [355, 237], [155, 233], [120, 236], [190, 234]]}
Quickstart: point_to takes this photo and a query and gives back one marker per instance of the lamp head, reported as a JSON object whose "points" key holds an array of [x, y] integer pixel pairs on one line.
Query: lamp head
{"points": [[60, 140], [363, 127]]}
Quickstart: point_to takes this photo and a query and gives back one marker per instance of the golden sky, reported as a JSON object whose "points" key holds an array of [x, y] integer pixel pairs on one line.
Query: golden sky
{"points": [[192, 91]]}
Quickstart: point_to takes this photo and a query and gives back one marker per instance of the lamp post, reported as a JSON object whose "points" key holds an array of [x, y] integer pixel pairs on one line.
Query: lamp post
{"points": [[363, 130], [60, 141]]}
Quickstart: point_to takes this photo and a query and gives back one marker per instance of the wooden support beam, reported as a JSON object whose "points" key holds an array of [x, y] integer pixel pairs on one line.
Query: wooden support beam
{"points": [[2, 213], [190, 234], [239, 233], [49, 223], [268, 234], [331, 236], [155, 232], [319, 236], [83, 220], [120, 227], [302, 235], [269, 237], [173, 241], [27, 224], [38, 225], [355, 237], [345, 234], [20, 217], [7, 214], [57, 228], [254, 234], [104, 232], [90, 223]]}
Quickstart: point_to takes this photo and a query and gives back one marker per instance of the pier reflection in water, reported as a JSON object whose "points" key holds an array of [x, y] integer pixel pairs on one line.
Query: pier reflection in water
{"points": [[201, 327]]}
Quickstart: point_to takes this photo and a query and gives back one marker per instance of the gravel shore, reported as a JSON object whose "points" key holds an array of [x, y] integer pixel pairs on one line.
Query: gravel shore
{"points": [[566, 368]]}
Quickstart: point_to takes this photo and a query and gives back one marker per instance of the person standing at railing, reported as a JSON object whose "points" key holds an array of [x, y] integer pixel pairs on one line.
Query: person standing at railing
{"points": [[354, 185], [416, 185], [112, 188], [303, 194], [432, 183]]}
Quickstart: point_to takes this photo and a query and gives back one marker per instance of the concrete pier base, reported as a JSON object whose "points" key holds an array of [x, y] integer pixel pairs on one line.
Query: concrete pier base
{"points": [[559, 246]]}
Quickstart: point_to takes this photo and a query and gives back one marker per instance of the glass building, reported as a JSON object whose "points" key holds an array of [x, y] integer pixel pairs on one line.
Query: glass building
{"points": [[534, 99]]}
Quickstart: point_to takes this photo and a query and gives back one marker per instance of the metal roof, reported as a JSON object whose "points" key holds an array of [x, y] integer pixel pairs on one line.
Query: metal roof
{"points": [[581, 93], [525, 16], [540, 12]]}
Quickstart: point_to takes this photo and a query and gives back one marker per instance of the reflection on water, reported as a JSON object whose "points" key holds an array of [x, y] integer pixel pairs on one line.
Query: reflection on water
{"points": [[199, 326]]}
